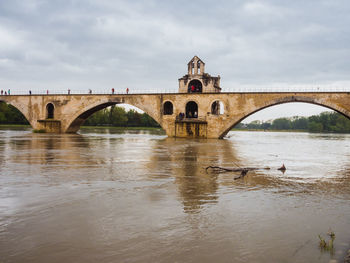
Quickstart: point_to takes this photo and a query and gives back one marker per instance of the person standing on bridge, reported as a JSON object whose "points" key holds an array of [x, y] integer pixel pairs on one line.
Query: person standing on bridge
{"points": [[90, 91], [68, 91], [2, 92], [30, 92], [127, 90], [8, 92], [47, 92], [112, 90]]}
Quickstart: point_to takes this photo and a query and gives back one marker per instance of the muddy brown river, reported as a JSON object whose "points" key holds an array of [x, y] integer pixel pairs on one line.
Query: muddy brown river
{"points": [[107, 195]]}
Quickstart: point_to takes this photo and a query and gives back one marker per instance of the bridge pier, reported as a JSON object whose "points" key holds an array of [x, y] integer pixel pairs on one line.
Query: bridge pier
{"points": [[49, 126], [191, 128]]}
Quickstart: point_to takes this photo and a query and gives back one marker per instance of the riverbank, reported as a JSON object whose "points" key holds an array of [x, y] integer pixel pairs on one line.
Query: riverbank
{"points": [[12, 126], [262, 130], [4, 126], [121, 128], [15, 125], [270, 130]]}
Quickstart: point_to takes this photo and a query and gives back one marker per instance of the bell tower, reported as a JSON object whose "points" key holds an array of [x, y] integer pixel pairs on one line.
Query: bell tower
{"points": [[196, 66], [196, 80]]}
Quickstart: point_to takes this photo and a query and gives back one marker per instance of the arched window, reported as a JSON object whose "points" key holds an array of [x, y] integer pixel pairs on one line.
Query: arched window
{"points": [[168, 108], [194, 86], [191, 110], [217, 108], [50, 111]]}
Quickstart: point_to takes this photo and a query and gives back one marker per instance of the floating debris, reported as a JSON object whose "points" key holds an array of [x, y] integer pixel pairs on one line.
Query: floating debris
{"points": [[282, 168]]}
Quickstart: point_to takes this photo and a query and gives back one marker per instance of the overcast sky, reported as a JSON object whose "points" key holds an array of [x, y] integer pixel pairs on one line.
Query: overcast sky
{"points": [[145, 45]]}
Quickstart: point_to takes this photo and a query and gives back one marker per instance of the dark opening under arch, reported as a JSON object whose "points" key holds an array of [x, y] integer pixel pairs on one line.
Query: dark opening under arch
{"points": [[50, 111], [9, 114], [168, 108], [217, 108], [191, 110], [194, 86], [117, 116], [289, 100]]}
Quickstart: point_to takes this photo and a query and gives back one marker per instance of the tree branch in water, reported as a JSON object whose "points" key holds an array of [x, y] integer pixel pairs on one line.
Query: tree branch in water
{"points": [[243, 171]]}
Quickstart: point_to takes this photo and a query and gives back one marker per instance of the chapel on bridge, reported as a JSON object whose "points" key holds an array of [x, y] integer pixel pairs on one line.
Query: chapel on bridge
{"points": [[197, 81]]}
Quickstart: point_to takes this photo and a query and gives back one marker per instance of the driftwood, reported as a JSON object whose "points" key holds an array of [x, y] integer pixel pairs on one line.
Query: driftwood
{"points": [[238, 169], [243, 171]]}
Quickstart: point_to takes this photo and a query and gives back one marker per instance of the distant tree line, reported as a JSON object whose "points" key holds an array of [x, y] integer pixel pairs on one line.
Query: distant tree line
{"points": [[324, 122], [119, 117]]}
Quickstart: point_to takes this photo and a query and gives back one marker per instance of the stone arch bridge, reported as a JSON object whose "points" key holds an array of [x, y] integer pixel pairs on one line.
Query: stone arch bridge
{"points": [[193, 115]]}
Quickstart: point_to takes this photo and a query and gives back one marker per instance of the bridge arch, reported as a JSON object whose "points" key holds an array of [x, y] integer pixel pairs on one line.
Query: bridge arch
{"points": [[21, 108], [288, 99], [74, 123], [217, 107]]}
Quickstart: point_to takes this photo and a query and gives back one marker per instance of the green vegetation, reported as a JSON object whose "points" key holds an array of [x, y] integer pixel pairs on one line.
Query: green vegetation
{"points": [[118, 117], [15, 125], [10, 115], [39, 131], [324, 122], [327, 246], [121, 128]]}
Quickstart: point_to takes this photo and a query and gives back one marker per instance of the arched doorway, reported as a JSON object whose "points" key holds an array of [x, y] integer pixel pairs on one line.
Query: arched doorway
{"points": [[168, 108], [191, 110], [194, 86], [50, 111]]}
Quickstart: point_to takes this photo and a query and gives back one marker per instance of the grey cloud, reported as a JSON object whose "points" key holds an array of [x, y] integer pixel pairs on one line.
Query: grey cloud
{"points": [[148, 43]]}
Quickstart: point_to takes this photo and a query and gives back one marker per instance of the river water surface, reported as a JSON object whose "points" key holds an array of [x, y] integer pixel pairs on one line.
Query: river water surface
{"points": [[106, 195]]}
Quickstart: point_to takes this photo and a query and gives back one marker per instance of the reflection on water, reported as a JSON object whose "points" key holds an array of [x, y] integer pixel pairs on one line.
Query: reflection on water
{"points": [[112, 195], [195, 186]]}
